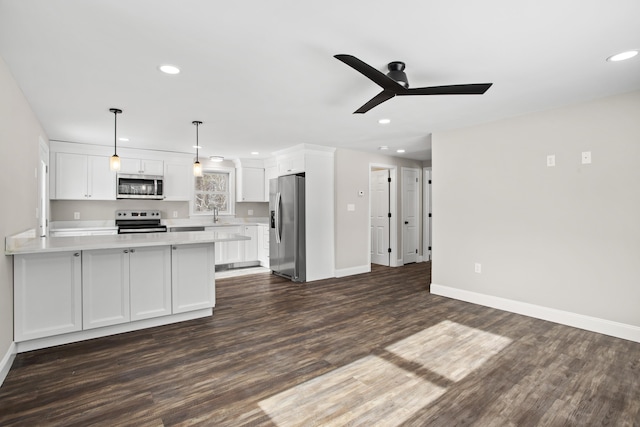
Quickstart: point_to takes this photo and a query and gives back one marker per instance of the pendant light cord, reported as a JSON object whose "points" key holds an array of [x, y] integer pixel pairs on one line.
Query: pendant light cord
{"points": [[197, 123], [115, 112]]}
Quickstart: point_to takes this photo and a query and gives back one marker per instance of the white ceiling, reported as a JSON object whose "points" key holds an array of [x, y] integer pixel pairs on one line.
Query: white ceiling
{"points": [[261, 75]]}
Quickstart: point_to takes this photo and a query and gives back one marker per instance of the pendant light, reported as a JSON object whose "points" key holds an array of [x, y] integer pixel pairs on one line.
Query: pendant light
{"points": [[197, 167], [114, 163]]}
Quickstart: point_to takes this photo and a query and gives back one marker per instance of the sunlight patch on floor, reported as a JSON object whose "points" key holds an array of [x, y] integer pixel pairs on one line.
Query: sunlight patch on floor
{"points": [[351, 395], [450, 349]]}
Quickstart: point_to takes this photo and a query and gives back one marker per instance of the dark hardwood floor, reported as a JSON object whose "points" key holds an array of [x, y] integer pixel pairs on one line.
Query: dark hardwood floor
{"points": [[371, 349]]}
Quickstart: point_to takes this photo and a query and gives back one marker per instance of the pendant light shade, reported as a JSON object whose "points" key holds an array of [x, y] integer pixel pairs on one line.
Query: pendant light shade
{"points": [[114, 163], [197, 167]]}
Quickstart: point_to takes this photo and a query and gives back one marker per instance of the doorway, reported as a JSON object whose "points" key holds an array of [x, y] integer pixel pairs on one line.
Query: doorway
{"points": [[410, 215], [382, 215], [380, 218]]}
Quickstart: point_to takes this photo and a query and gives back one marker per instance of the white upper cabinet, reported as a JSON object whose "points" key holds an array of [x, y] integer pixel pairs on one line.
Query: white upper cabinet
{"points": [[178, 181], [250, 181], [82, 177], [291, 163], [141, 166]]}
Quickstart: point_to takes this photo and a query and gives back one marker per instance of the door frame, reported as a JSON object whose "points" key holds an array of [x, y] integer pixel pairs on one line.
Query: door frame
{"points": [[393, 208], [426, 211]]}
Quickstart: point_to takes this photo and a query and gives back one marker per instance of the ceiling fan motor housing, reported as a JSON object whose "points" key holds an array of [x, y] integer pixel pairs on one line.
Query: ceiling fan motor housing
{"points": [[396, 72]]}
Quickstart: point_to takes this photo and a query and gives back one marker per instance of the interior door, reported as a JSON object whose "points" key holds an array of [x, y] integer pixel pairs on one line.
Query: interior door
{"points": [[380, 217], [410, 214]]}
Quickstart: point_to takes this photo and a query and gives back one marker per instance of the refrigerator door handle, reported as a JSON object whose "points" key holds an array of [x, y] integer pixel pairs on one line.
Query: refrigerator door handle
{"points": [[278, 225]]}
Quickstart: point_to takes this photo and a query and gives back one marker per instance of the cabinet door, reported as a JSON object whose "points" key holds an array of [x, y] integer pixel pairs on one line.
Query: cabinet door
{"points": [[47, 294], [152, 167], [128, 165], [141, 166], [102, 180], [150, 282], [192, 277], [263, 245], [251, 246], [251, 185], [232, 251], [178, 181], [105, 287], [71, 176]]}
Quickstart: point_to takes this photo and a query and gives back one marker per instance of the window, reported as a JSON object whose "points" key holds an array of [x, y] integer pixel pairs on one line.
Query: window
{"points": [[214, 190]]}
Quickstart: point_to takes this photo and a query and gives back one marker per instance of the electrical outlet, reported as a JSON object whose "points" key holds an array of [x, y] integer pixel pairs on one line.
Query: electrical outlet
{"points": [[76, 215], [551, 160], [478, 267], [586, 157], [175, 214], [351, 207], [250, 212]]}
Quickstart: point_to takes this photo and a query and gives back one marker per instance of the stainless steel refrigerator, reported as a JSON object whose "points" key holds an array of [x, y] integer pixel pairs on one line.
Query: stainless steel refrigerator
{"points": [[286, 233]]}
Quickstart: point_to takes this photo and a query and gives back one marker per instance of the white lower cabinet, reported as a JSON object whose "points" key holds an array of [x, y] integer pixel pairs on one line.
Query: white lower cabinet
{"points": [[47, 294], [229, 252], [251, 246], [192, 277], [122, 285], [263, 245], [105, 287], [150, 282]]}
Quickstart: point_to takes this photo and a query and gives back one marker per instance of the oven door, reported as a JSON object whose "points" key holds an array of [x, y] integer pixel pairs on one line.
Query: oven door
{"points": [[140, 226], [135, 230]]}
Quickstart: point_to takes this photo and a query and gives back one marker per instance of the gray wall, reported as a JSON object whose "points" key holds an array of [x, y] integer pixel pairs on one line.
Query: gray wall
{"points": [[564, 237], [19, 157], [352, 228]]}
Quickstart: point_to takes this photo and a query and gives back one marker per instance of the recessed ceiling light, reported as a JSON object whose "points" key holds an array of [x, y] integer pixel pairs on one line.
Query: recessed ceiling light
{"points": [[255, 153], [216, 158], [383, 147], [122, 138], [622, 56], [169, 69], [384, 121], [400, 151]]}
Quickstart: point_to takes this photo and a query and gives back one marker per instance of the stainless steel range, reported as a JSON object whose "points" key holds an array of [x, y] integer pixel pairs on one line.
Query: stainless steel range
{"points": [[145, 221]]}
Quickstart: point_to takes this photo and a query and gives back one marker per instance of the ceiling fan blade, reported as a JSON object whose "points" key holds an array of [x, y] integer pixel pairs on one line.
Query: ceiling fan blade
{"points": [[385, 95], [470, 89], [386, 83]]}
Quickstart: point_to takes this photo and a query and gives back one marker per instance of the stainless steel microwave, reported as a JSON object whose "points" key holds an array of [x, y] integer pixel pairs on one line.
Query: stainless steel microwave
{"points": [[131, 186]]}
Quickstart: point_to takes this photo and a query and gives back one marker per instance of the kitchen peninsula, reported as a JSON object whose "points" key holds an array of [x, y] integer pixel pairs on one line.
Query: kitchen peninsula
{"points": [[69, 289]]}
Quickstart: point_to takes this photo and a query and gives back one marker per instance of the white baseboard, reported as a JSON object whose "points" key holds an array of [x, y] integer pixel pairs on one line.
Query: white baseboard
{"points": [[343, 272], [593, 324], [7, 361]]}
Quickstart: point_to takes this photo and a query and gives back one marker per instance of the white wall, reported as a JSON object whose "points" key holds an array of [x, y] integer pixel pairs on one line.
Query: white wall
{"points": [[565, 238], [352, 227], [19, 145]]}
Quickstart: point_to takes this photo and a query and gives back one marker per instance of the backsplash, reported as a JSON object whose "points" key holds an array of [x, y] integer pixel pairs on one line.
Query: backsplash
{"points": [[89, 210]]}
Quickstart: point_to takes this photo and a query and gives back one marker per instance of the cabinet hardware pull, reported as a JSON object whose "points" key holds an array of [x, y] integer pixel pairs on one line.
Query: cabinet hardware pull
{"points": [[126, 251], [76, 254], [133, 251]]}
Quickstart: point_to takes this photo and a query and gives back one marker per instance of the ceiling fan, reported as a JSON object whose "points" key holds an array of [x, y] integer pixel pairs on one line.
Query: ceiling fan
{"points": [[395, 83]]}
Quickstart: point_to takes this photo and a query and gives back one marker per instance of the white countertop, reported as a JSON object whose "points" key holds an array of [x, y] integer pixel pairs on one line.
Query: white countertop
{"points": [[19, 244]]}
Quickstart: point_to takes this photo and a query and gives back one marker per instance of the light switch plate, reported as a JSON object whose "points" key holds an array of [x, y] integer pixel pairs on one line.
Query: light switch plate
{"points": [[586, 157], [351, 207], [551, 160]]}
